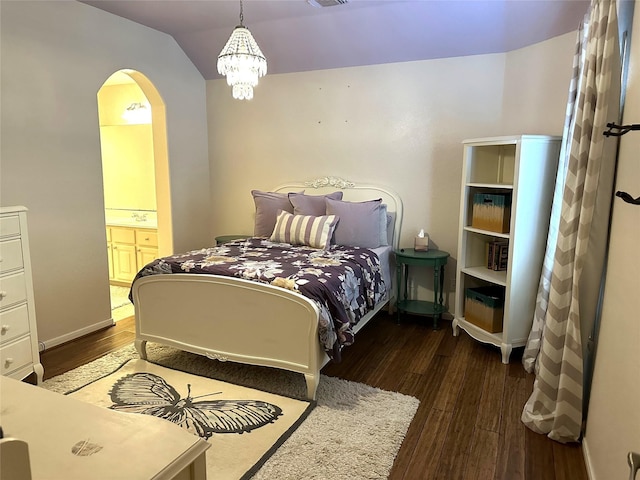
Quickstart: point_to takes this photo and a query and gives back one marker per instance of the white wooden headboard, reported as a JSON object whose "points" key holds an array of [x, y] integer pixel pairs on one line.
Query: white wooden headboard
{"points": [[353, 192]]}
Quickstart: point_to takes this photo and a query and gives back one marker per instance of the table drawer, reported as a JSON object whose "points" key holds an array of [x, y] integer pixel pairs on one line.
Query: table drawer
{"points": [[9, 226], [14, 323], [10, 255], [12, 289], [15, 355]]}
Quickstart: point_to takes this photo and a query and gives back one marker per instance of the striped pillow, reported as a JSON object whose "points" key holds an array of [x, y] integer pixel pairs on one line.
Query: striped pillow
{"points": [[316, 232]]}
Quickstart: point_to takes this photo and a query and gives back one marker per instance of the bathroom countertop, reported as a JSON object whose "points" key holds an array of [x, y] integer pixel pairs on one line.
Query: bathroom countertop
{"points": [[131, 218], [124, 222]]}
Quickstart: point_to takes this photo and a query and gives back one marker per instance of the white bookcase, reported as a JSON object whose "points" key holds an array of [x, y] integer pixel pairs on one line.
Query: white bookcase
{"points": [[524, 166]]}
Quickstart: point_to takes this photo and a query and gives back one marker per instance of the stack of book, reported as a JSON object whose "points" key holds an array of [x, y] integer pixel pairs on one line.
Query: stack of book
{"points": [[497, 255]]}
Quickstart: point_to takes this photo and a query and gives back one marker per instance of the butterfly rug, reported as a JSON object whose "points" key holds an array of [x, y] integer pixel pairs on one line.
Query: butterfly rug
{"points": [[244, 426]]}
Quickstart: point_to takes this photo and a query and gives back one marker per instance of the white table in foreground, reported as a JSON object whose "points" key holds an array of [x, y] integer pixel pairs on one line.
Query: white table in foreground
{"points": [[129, 446]]}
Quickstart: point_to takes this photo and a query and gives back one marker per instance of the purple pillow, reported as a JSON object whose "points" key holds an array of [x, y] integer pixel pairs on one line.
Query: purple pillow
{"points": [[268, 204], [311, 204], [359, 224]]}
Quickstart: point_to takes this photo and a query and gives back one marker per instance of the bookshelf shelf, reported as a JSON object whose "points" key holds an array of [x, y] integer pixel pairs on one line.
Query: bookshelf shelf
{"points": [[483, 273]]}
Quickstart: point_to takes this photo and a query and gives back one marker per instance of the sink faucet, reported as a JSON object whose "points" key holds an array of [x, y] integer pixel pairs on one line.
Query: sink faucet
{"points": [[139, 217]]}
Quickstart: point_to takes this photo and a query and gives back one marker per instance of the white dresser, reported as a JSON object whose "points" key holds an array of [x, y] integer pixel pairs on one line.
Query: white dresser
{"points": [[19, 353]]}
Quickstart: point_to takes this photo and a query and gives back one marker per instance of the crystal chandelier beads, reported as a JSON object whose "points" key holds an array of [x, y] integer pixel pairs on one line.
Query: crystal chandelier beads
{"points": [[242, 62]]}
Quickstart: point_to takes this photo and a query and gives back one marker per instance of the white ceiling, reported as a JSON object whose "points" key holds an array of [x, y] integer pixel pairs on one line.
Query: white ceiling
{"points": [[295, 36]]}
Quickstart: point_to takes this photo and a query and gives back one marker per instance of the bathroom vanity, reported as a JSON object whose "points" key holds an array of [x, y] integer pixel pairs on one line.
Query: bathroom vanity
{"points": [[132, 242]]}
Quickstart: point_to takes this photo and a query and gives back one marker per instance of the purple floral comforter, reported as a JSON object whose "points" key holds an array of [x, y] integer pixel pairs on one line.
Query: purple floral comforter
{"points": [[344, 282]]}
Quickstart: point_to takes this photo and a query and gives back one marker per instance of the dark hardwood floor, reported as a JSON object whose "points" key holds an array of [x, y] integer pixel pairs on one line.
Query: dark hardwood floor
{"points": [[468, 423]]}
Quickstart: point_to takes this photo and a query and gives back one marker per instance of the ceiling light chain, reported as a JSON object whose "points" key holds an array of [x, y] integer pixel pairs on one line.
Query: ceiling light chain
{"points": [[241, 61]]}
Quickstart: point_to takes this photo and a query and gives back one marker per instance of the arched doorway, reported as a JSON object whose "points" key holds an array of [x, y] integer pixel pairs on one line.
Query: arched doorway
{"points": [[135, 179]]}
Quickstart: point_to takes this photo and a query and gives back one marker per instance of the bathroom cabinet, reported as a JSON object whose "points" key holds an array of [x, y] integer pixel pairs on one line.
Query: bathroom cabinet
{"points": [[129, 249]]}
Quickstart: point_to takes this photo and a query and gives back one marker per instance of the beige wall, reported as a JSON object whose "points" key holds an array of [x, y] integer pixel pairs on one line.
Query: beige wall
{"points": [[127, 150], [537, 86], [399, 125], [613, 424], [128, 166], [55, 57]]}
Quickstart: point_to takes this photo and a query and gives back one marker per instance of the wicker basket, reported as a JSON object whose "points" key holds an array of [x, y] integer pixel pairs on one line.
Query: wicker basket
{"points": [[491, 212], [484, 307]]}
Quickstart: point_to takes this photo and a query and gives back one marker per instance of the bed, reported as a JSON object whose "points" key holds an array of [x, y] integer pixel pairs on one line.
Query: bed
{"points": [[236, 315]]}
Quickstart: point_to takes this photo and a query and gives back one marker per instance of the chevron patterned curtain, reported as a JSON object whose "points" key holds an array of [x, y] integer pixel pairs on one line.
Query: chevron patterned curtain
{"points": [[554, 348]]}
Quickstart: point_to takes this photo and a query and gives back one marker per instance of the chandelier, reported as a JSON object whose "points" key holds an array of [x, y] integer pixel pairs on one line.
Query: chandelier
{"points": [[242, 62]]}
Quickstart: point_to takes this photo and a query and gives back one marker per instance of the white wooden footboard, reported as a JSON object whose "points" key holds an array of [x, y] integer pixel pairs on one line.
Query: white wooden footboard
{"points": [[227, 318]]}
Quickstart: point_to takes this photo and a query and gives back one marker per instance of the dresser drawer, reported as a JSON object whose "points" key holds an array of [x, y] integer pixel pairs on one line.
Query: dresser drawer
{"points": [[14, 323], [15, 355], [10, 255], [9, 226], [12, 289]]}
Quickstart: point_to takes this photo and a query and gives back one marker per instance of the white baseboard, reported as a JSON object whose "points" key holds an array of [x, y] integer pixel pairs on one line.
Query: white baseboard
{"points": [[54, 342], [587, 459]]}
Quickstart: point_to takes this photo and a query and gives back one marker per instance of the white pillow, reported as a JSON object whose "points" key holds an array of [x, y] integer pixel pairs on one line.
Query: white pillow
{"points": [[384, 225]]}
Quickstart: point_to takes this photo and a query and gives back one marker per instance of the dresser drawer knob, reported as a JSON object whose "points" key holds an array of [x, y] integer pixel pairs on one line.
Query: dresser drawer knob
{"points": [[3, 294], [8, 361], [4, 329]]}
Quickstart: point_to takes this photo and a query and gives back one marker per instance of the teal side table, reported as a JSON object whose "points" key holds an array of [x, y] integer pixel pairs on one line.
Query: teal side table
{"points": [[229, 238], [435, 259]]}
